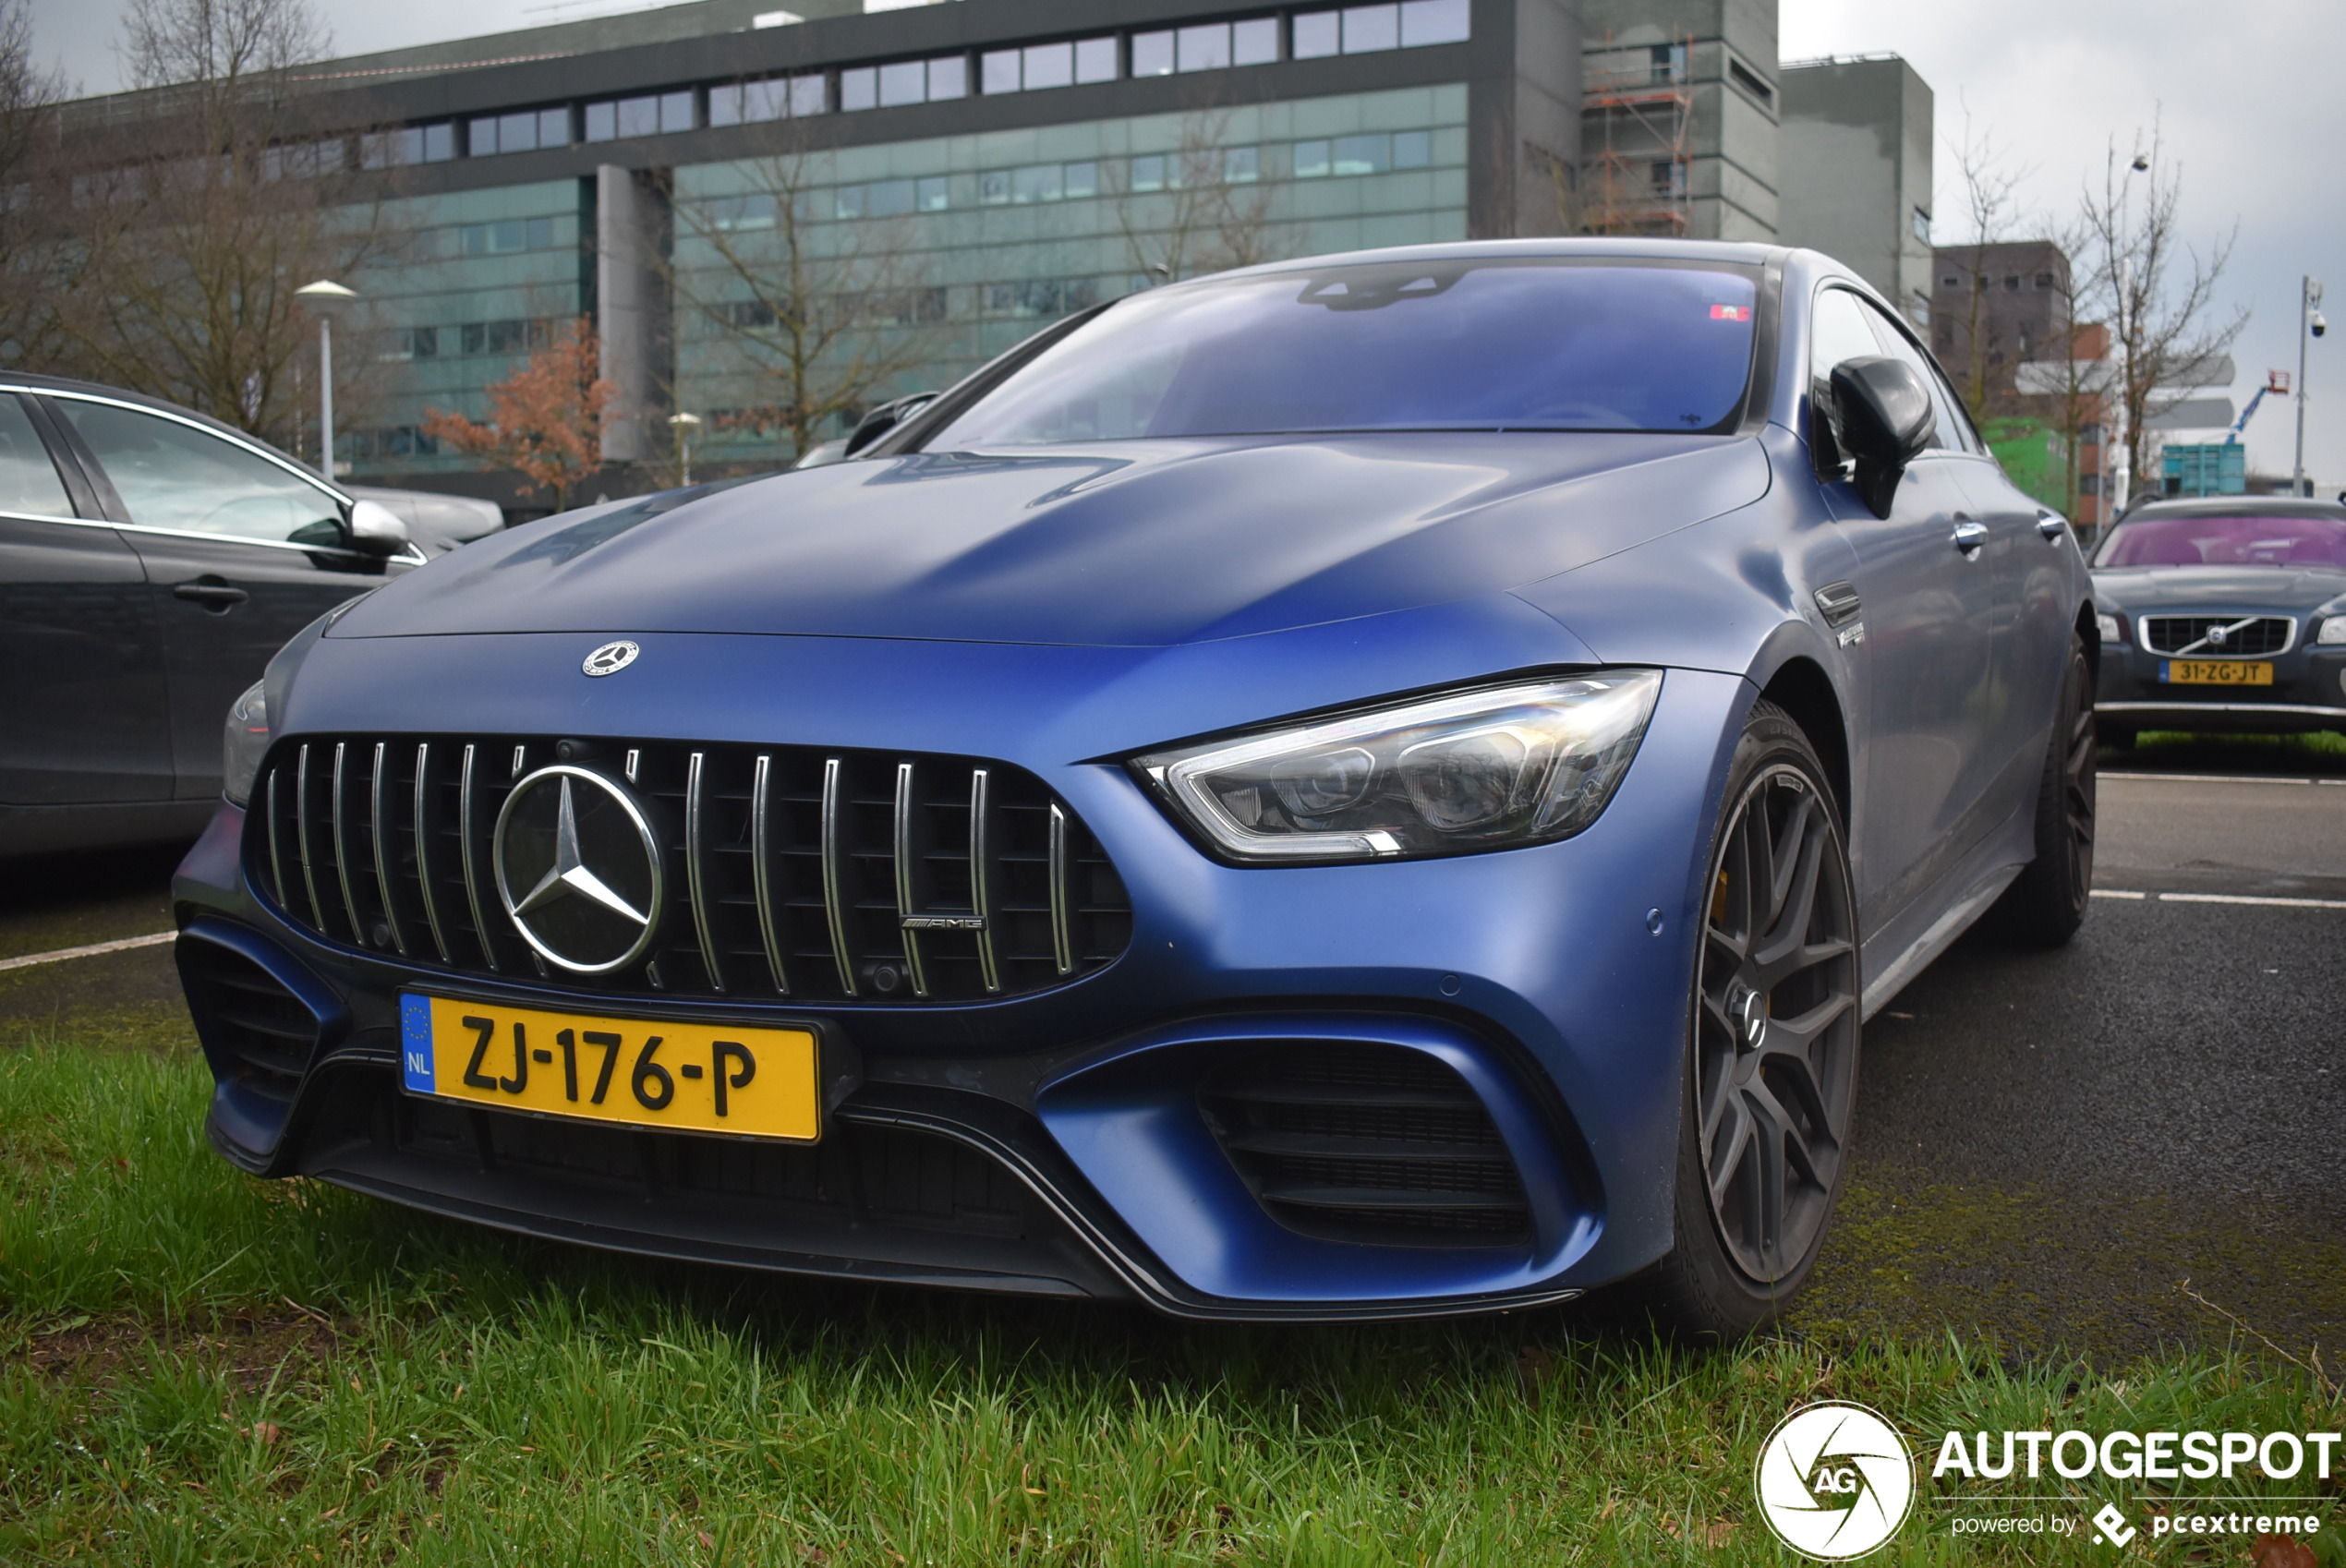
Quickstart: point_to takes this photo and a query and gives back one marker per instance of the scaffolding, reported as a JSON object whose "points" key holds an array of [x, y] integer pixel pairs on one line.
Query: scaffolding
{"points": [[1637, 114]]}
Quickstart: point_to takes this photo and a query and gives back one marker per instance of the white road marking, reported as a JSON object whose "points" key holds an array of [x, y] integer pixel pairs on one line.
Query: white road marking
{"points": [[2225, 899], [2213, 777], [92, 951]]}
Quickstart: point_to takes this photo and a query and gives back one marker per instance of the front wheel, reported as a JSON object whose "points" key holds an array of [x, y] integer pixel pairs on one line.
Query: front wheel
{"points": [[1771, 1071]]}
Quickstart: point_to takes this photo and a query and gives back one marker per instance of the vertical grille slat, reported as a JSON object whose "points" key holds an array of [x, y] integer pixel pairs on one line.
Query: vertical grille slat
{"points": [[907, 903], [853, 877], [989, 966], [1062, 942], [834, 872], [761, 863], [472, 851], [426, 827], [696, 871], [380, 798]]}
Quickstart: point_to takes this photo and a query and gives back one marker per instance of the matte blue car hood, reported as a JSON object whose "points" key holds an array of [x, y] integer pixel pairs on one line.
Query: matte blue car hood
{"points": [[1141, 544]]}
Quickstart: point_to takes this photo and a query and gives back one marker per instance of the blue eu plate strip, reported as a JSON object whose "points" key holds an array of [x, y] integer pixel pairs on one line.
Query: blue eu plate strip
{"points": [[415, 1042]]}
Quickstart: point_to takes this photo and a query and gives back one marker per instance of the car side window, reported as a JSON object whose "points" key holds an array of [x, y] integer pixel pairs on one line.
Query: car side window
{"points": [[1948, 433], [1837, 331], [174, 475], [29, 483]]}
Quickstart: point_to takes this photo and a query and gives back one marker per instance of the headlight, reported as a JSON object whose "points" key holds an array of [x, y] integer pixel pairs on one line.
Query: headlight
{"points": [[1479, 770], [243, 741], [2333, 631], [2112, 629]]}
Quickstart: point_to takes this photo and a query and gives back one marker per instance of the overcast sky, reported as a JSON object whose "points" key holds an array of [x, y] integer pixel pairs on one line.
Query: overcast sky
{"points": [[2251, 96]]}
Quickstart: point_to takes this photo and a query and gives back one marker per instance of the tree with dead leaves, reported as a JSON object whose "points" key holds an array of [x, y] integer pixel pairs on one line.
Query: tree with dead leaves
{"points": [[545, 420], [29, 95]]}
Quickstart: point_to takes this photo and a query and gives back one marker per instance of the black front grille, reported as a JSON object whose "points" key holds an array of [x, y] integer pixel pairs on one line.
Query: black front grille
{"points": [[1375, 1144], [2217, 636], [819, 875], [264, 1029]]}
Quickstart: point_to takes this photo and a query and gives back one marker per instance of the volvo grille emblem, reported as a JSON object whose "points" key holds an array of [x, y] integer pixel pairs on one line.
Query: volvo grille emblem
{"points": [[2219, 636], [578, 869], [610, 658]]}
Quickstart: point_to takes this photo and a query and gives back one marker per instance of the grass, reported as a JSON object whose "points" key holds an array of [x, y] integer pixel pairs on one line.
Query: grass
{"points": [[199, 1368]]}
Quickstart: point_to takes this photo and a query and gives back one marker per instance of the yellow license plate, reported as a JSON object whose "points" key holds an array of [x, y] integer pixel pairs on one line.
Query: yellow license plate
{"points": [[2216, 672], [674, 1077]]}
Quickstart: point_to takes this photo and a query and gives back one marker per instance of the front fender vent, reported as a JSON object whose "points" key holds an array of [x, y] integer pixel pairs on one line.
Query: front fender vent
{"points": [[1371, 1144], [788, 871]]}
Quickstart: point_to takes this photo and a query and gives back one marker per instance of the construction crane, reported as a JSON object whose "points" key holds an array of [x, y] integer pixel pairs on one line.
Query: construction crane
{"points": [[2275, 383]]}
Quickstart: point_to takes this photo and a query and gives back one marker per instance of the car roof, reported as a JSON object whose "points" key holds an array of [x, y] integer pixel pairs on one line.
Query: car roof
{"points": [[2234, 506], [29, 382]]}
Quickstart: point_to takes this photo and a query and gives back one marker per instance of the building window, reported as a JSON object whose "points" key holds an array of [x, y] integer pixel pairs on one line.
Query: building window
{"points": [[1744, 77], [412, 144], [656, 114], [906, 81], [2044, 279], [751, 102], [398, 441], [1951, 281], [1922, 225], [1669, 177], [2089, 435], [2089, 484], [410, 342], [506, 337], [1669, 63], [524, 132], [1919, 308], [1363, 154], [1041, 296], [730, 214], [2012, 282], [1360, 30], [506, 236], [1039, 182]]}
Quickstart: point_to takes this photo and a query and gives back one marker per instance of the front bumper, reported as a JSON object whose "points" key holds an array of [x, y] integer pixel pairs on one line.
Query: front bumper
{"points": [[2308, 692], [1055, 1143]]}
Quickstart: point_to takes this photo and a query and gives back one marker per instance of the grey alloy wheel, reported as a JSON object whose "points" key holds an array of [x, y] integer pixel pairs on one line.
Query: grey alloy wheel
{"points": [[1775, 1030]]}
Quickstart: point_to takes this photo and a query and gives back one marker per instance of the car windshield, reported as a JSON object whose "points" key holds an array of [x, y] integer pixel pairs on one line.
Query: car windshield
{"points": [[2226, 539], [1510, 344]]}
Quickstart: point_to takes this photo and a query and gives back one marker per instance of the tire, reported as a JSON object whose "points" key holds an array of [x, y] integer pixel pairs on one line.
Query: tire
{"points": [[1771, 1065], [2047, 903]]}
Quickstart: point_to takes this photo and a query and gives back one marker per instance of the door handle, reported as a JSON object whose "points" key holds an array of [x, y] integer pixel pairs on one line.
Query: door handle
{"points": [[2052, 527], [1969, 536], [218, 597]]}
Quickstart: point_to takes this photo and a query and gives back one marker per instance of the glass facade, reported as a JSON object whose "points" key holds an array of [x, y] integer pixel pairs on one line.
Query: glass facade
{"points": [[937, 254], [958, 247], [467, 287]]}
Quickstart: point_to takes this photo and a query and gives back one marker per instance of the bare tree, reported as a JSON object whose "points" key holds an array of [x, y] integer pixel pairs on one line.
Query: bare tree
{"points": [[28, 96], [1990, 210], [1200, 208], [181, 227], [2157, 292], [812, 287]]}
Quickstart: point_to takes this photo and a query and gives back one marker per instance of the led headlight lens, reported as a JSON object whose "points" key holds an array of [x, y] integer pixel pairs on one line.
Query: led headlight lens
{"points": [[1478, 770], [2114, 630], [244, 742], [2333, 631]]}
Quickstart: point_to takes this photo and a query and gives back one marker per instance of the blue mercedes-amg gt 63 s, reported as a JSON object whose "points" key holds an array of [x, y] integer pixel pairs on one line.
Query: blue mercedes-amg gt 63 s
{"points": [[1374, 786]]}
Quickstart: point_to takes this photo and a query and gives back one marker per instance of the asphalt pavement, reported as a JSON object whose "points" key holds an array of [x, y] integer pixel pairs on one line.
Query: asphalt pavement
{"points": [[2136, 1140]]}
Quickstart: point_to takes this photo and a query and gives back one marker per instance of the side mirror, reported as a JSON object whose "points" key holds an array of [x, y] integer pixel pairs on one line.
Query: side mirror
{"points": [[1884, 422], [884, 419], [376, 529]]}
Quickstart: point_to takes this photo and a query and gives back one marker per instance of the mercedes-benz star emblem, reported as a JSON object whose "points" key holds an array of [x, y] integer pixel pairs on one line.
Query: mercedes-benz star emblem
{"points": [[610, 658], [578, 869]]}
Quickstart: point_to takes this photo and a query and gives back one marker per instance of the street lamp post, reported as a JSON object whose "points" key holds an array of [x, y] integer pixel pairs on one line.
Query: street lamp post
{"points": [[2124, 477], [326, 298], [684, 425], [2310, 325]]}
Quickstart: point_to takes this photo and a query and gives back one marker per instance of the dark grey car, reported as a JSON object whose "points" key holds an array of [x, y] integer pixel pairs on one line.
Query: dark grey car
{"points": [[150, 562], [2222, 613]]}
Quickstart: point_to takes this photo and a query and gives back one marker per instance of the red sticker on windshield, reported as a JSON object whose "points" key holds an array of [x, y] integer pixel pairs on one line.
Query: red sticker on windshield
{"points": [[1731, 312]]}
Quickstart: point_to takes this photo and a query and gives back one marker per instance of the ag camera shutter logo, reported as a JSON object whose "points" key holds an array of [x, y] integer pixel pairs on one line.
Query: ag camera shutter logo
{"points": [[1834, 1481]]}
